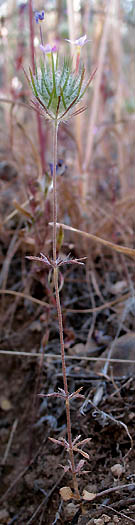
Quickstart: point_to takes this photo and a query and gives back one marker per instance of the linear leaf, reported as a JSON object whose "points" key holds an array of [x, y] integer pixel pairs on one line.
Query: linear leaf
{"points": [[33, 83], [63, 100], [53, 74]]}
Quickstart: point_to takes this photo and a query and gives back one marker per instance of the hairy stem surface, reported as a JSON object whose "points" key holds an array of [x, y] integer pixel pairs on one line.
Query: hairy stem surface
{"points": [[55, 132], [71, 455]]}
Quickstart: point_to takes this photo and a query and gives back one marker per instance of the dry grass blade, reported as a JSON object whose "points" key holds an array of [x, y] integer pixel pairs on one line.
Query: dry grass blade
{"points": [[13, 247], [120, 249], [67, 357], [26, 296], [109, 304], [14, 212], [14, 426], [21, 210], [95, 104]]}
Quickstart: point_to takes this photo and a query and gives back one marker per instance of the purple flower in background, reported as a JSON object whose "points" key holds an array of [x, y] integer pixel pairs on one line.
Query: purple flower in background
{"points": [[22, 6], [48, 49], [60, 167], [79, 43], [39, 16]]}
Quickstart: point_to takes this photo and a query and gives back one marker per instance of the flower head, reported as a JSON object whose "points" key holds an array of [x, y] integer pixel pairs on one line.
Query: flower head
{"points": [[80, 42], [60, 167], [48, 49], [39, 16], [58, 88]]}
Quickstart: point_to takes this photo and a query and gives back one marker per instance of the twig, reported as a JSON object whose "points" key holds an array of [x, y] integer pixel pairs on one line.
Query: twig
{"points": [[122, 386], [114, 489], [12, 249], [14, 426], [120, 513], [72, 357]]}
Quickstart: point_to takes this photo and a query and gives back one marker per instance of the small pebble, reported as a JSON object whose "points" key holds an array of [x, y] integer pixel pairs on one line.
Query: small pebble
{"points": [[104, 519], [117, 470], [70, 510], [5, 404], [35, 326]]}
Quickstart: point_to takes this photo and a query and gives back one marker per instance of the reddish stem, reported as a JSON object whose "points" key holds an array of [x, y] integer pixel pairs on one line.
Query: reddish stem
{"points": [[77, 63], [31, 35], [59, 313]]}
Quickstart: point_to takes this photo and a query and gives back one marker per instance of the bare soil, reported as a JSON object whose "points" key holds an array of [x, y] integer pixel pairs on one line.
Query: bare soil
{"points": [[31, 465]]}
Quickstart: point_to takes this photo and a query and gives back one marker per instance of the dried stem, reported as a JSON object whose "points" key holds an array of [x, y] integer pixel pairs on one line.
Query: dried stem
{"points": [[78, 120], [39, 123], [59, 313], [96, 97], [31, 35]]}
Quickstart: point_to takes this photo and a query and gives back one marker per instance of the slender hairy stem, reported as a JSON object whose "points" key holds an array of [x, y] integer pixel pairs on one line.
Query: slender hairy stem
{"points": [[71, 455], [41, 36], [55, 132]]}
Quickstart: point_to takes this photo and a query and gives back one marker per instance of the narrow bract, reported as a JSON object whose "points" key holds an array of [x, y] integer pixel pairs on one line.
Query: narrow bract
{"points": [[56, 89]]}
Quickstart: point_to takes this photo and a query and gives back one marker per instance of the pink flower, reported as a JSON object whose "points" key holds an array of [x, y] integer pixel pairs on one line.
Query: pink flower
{"points": [[80, 42]]}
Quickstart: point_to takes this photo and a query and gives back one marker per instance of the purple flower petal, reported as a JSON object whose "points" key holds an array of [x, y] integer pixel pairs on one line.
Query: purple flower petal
{"points": [[48, 49], [79, 42]]}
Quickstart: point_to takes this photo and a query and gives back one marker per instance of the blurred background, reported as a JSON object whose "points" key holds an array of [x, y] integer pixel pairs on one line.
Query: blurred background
{"points": [[96, 148]]}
